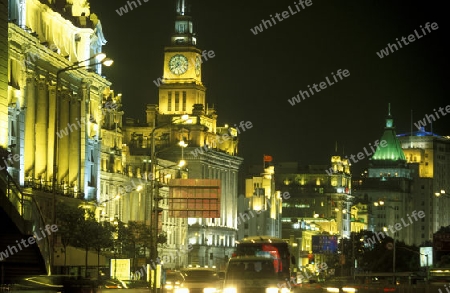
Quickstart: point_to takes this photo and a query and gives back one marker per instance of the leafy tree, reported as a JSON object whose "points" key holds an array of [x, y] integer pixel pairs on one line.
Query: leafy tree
{"points": [[103, 238], [68, 218], [86, 234]]}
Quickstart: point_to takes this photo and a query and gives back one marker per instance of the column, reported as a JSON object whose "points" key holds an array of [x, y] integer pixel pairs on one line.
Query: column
{"points": [[75, 139], [41, 128], [63, 140], [30, 124]]}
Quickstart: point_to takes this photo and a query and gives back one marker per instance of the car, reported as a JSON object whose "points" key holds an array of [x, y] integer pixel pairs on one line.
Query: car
{"points": [[173, 280], [254, 274], [112, 284], [135, 284], [200, 280]]}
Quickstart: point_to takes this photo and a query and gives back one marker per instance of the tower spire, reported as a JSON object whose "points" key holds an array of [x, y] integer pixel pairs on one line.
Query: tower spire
{"points": [[182, 7], [389, 120], [184, 32]]}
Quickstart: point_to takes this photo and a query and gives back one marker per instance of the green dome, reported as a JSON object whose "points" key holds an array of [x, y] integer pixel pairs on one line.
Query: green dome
{"points": [[392, 150]]}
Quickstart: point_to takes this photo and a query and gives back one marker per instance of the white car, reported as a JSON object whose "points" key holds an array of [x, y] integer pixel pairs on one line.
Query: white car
{"points": [[200, 280]]}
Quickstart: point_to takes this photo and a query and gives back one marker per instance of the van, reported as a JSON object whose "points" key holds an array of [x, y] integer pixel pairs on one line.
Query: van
{"points": [[259, 274]]}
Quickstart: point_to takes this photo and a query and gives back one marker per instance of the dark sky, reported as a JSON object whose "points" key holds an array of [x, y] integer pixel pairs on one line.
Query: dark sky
{"points": [[252, 76]]}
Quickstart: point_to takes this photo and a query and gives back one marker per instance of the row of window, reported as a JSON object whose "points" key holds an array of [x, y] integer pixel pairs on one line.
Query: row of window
{"points": [[177, 101]]}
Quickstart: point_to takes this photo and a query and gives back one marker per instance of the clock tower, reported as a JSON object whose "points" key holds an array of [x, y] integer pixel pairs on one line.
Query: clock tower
{"points": [[182, 86]]}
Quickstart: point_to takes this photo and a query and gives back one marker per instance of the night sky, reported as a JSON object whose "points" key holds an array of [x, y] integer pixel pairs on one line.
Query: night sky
{"points": [[252, 76]]}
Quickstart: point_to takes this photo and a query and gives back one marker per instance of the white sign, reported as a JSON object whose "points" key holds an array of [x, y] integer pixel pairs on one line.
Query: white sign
{"points": [[120, 269], [426, 252]]}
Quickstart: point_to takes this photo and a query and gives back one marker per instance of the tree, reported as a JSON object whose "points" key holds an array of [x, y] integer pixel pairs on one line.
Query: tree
{"points": [[103, 238], [86, 235], [68, 218]]}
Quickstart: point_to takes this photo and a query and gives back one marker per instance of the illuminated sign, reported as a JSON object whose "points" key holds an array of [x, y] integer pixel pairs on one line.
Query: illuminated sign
{"points": [[194, 198], [324, 244], [120, 268]]}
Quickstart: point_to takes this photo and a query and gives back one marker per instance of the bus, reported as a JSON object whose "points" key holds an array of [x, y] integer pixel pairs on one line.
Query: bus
{"points": [[267, 246]]}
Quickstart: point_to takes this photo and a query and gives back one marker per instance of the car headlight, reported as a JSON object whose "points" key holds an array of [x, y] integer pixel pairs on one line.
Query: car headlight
{"points": [[229, 290], [209, 290], [285, 290], [332, 289], [272, 290], [349, 289], [168, 286], [181, 290]]}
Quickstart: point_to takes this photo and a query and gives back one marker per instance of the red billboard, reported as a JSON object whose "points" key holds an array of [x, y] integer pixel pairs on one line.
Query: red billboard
{"points": [[441, 241], [194, 198]]}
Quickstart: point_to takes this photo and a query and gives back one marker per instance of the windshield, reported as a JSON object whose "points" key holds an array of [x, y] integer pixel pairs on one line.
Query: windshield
{"points": [[251, 269], [200, 275], [174, 277]]}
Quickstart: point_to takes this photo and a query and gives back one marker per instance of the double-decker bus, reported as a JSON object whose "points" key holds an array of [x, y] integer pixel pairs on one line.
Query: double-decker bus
{"points": [[266, 246]]}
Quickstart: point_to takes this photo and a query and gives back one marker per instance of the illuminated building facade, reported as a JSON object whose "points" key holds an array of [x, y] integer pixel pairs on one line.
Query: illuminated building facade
{"points": [[319, 202], [404, 177], [3, 72], [51, 99], [185, 129], [35, 57], [260, 210], [428, 154]]}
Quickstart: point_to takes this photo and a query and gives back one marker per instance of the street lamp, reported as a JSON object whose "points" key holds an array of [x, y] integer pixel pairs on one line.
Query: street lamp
{"points": [[381, 203], [182, 144], [100, 59], [441, 193], [154, 206]]}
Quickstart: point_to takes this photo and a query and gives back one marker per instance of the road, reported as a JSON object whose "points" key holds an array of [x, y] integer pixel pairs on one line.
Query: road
{"points": [[376, 288]]}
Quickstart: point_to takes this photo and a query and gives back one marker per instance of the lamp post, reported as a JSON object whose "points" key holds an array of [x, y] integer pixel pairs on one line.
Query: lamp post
{"points": [[101, 57], [381, 203], [352, 233], [154, 200]]}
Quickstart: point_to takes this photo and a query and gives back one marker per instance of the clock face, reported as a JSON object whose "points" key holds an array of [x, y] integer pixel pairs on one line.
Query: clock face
{"points": [[197, 66], [178, 64]]}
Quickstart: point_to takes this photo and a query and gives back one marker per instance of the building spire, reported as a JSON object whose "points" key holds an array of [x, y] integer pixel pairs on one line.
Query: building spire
{"points": [[182, 7], [389, 120], [184, 31]]}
